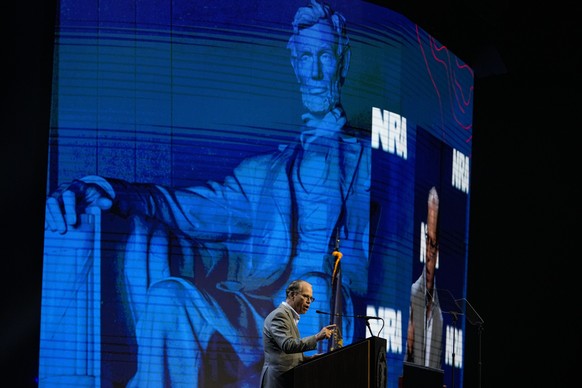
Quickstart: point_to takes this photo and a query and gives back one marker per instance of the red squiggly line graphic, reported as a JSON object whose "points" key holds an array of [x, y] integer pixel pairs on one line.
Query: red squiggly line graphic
{"points": [[459, 99]]}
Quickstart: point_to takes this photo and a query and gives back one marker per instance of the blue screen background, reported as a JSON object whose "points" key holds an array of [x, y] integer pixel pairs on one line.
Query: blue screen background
{"points": [[179, 93]]}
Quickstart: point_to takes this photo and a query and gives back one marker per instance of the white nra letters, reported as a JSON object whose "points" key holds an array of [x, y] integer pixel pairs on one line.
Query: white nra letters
{"points": [[389, 132]]}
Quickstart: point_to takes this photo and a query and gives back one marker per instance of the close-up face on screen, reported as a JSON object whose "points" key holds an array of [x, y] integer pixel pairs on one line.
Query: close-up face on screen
{"points": [[203, 155]]}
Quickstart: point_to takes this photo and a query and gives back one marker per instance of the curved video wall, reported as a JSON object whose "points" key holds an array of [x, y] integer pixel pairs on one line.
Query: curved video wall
{"points": [[218, 150]]}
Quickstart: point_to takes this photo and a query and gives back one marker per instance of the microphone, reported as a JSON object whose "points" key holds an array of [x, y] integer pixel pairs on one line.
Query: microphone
{"points": [[367, 317], [326, 313], [348, 316]]}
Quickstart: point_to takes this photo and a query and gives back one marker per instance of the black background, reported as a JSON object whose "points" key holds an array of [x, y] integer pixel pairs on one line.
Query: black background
{"points": [[525, 196]]}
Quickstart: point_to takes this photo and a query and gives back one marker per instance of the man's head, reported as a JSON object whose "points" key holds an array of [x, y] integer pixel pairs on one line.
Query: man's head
{"points": [[299, 296], [432, 245], [320, 55]]}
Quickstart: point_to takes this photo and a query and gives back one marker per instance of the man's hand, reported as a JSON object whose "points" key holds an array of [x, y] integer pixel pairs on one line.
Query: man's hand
{"points": [[63, 206], [410, 338], [326, 332]]}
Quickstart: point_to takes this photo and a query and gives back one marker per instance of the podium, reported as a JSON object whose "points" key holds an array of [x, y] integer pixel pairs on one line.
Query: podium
{"points": [[414, 376], [361, 364]]}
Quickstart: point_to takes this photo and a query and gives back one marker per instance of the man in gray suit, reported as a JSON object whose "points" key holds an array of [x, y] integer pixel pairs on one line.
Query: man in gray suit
{"points": [[282, 343]]}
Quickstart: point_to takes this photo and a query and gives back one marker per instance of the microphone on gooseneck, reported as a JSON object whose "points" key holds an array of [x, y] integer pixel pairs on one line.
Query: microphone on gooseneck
{"points": [[326, 313], [367, 317], [348, 316]]}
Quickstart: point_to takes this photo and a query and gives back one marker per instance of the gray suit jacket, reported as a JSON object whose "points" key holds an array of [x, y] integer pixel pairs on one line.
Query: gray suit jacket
{"points": [[283, 348]]}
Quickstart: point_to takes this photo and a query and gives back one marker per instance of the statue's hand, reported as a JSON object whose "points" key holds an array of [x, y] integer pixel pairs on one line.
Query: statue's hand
{"points": [[64, 205]]}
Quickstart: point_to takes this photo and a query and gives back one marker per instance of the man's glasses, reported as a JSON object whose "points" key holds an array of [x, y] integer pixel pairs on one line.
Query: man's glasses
{"points": [[311, 299]]}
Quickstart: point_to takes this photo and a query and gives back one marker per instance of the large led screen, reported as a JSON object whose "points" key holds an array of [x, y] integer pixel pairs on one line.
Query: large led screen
{"points": [[204, 154]]}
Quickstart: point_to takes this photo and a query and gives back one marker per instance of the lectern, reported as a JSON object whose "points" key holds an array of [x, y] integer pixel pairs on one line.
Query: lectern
{"points": [[361, 364]]}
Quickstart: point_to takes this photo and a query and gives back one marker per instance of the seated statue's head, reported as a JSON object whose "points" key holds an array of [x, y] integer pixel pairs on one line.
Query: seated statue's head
{"points": [[320, 55]]}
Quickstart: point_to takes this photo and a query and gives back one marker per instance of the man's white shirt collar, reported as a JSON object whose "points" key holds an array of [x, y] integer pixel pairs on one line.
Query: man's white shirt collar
{"points": [[295, 314]]}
